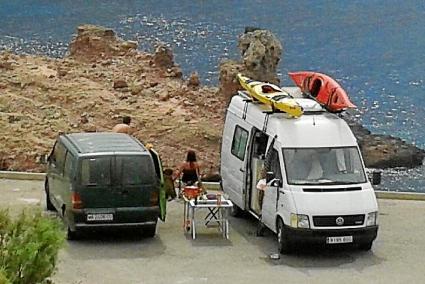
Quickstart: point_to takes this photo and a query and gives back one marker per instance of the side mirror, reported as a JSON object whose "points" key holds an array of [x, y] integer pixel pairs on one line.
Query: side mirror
{"points": [[375, 177], [269, 176], [276, 182]]}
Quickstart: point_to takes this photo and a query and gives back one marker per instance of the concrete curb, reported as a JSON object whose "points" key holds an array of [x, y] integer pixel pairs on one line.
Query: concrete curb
{"points": [[22, 175], [400, 195], [216, 186]]}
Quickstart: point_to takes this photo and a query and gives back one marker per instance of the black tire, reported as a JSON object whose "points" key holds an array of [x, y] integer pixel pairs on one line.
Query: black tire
{"points": [[49, 204], [70, 235], [283, 245], [365, 246], [149, 231]]}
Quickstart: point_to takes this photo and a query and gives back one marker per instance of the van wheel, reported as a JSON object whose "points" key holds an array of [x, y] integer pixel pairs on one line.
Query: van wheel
{"points": [[282, 241], [365, 246], [149, 231], [70, 235], [49, 204]]}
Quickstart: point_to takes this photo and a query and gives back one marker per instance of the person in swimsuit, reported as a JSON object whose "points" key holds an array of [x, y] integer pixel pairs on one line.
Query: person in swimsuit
{"points": [[189, 171]]}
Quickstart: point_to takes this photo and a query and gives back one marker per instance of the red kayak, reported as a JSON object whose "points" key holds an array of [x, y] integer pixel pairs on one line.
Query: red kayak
{"points": [[323, 89]]}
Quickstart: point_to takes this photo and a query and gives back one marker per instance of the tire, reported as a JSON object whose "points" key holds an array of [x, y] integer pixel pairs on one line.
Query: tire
{"points": [[70, 235], [149, 231], [283, 245], [365, 246], [49, 204]]}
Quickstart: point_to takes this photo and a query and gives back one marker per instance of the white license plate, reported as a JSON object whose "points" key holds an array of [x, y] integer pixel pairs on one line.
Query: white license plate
{"points": [[100, 217], [339, 240]]}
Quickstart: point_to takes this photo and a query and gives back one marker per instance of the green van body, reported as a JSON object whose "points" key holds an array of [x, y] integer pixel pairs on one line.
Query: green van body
{"points": [[101, 180]]}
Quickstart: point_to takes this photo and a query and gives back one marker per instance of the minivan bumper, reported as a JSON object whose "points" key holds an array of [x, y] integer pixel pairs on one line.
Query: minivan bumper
{"points": [[133, 217], [360, 235]]}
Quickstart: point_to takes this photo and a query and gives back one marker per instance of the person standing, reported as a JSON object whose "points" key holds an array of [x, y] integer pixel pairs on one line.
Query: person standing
{"points": [[123, 127], [189, 171]]}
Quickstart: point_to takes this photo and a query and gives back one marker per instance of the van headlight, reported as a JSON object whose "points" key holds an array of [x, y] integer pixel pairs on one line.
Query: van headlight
{"points": [[300, 221], [372, 219]]}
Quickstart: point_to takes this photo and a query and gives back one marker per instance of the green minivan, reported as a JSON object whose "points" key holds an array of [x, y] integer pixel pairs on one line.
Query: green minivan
{"points": [[103, 180]]}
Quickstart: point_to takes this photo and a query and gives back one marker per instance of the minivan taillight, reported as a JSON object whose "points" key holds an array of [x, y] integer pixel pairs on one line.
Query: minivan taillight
{"points": [[76, 200], [154, 198]]}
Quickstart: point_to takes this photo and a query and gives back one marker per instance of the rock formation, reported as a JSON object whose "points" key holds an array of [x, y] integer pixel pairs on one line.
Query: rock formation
{"points": [[93, 42], [261, 52]]}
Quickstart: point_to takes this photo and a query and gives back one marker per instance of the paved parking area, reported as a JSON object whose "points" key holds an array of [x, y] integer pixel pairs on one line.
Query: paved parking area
{"points": [[173, 257]]}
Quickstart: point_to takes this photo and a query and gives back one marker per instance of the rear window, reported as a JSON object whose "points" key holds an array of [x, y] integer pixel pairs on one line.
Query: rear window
{"points": [[135, 170], [96, 171]]}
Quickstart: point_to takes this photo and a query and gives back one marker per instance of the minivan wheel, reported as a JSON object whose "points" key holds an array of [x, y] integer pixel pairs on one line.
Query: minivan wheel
{"points": [[49, 204], [149, 231], [282, 241]]}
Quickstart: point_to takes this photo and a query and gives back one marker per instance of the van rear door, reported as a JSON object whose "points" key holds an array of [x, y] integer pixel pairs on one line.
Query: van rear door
{"points": [[117, 181]]}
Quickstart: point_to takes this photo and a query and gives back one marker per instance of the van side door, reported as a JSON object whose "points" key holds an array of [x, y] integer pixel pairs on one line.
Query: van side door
{"points": [[233, 165], [159, 173], [272, 192], [55, 171]]}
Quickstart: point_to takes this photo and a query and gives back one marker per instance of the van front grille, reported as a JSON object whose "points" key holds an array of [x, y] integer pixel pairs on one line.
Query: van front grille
{"points": [[327, 189], [338, 221]]}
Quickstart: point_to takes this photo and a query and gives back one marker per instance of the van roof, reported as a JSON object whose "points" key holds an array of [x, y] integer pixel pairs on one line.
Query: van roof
{"points": [[315, 128], [100, 142]]}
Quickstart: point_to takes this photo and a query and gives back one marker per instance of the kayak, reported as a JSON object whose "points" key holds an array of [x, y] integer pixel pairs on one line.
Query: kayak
{"points": [[323, 89], [271, 95]]}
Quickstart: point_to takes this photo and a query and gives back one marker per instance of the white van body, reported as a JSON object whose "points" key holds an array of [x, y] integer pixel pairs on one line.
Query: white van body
{"points": [[333, 203]]}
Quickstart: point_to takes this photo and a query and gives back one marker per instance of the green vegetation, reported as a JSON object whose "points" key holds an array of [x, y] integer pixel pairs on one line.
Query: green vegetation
{"points": [[29, 246]]}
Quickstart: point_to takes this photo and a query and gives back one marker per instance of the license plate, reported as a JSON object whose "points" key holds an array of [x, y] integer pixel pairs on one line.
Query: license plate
{"points": [[100, 217], [339, 240]]}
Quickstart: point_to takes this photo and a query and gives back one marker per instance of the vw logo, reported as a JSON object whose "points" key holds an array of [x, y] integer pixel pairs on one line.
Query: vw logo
{"points": [[339, 221]]}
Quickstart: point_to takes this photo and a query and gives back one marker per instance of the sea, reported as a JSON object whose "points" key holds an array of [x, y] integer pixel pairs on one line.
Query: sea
{"points": [[374, 48]]}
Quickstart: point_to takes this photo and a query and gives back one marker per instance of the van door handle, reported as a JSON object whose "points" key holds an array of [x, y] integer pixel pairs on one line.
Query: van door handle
{"points": [[242, 170], [281, 191]]}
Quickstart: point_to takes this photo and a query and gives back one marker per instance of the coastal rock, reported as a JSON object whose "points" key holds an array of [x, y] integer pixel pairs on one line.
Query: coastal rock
{"points": [[93, 42], [163, 57], [194, 81], [261, 52], [385, 151]]}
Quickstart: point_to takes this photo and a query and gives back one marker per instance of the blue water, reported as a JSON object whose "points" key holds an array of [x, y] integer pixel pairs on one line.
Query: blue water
{"points": [[374, 48]]}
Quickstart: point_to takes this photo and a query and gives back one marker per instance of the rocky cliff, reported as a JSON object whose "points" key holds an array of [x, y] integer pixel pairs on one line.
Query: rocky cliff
{"points": [[104, 78]]}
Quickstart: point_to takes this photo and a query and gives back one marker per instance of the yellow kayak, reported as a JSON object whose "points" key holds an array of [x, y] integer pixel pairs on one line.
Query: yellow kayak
{"points": [[271, 95]]}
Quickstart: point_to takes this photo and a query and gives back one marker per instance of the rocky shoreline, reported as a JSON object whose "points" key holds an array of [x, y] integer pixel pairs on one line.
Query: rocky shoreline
{"points": [[104, 78]]}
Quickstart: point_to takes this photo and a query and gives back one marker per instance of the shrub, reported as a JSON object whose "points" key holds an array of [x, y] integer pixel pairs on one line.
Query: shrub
{"points": [[29, 246]]}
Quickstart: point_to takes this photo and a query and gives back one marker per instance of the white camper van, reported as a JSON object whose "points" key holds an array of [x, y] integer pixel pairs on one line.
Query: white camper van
{"points": [[317, 189]]}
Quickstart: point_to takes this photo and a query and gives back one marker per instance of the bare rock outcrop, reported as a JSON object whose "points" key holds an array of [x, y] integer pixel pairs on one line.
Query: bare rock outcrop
{"points": [[385, 151], [93, 42], [261, 51]]}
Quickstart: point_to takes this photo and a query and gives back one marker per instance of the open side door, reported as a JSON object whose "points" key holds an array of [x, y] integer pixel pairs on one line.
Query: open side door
{"points": [[158, 169]]}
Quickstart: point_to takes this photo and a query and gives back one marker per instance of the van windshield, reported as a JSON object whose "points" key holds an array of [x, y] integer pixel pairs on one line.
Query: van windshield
{"points": [[317, 166]]}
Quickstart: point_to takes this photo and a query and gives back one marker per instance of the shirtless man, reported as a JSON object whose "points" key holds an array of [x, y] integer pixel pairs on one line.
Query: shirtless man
{"points": [[123, 127]]}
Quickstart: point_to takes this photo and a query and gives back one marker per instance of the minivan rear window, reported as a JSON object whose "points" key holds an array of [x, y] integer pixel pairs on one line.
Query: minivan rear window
{"points": [[135, 170], [96, 171]]}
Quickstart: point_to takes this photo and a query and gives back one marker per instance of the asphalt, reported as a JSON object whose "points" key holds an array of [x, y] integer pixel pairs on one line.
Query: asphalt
{"points": [[397, 255]]}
